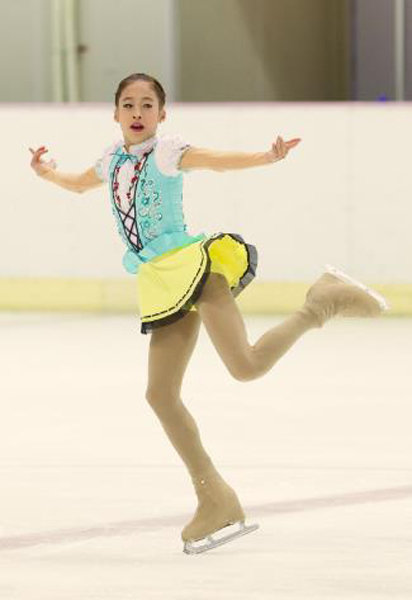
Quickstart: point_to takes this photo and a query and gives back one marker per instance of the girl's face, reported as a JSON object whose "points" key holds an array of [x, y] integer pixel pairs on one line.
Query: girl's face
{"points": [[138, 113]]}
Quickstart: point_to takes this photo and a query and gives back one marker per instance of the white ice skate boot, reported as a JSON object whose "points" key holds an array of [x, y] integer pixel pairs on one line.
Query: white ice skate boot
{"points": [[217, 509], [335, 293]]}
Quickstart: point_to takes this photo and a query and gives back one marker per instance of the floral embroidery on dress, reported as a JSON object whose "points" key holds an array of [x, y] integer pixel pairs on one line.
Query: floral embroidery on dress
{"points": [[150, 207]]}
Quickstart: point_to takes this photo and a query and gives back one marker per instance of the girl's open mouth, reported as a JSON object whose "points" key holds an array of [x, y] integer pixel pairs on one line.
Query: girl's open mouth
{"points": [[137, 127]]}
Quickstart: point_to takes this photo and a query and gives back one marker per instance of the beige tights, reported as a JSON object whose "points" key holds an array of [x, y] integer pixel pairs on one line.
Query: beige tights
{"points": [[171, 347]]}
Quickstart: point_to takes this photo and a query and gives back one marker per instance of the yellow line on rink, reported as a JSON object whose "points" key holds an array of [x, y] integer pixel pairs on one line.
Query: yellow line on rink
{"points": [[119, 295]]}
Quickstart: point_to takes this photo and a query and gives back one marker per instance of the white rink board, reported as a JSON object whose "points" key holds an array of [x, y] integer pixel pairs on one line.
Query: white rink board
{"points": [[343, 197]]}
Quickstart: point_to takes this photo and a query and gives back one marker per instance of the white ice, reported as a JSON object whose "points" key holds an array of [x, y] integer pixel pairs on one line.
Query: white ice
{"points": [[93, 497]]}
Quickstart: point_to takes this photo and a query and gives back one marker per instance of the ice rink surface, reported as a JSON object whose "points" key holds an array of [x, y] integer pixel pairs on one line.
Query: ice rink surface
{"points": [[93, 497]]}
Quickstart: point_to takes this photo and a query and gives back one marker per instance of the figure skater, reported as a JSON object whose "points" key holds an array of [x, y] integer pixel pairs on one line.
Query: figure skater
{"points": [[184, 280]]}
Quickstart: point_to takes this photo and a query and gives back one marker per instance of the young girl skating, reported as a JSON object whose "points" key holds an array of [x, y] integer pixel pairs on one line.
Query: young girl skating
{"points": [[184, 280]]}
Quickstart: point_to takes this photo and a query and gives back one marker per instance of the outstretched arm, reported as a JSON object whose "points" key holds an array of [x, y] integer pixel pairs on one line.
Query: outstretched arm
{"points": [[74, 182], [200, 158]]}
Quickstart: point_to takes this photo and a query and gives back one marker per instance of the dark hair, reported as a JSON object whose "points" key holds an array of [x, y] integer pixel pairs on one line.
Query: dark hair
{"points": [[157, 87]]}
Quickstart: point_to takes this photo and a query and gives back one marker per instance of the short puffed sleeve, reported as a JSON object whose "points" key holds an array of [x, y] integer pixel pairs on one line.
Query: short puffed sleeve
{"points": [[102, 165], [168, 153]]}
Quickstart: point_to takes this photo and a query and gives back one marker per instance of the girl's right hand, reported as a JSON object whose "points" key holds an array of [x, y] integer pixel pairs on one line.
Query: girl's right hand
{"points": [[42, 168]]}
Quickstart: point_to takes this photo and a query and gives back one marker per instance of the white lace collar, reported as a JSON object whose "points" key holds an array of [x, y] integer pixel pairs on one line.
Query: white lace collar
{"points": [[140, 149]]}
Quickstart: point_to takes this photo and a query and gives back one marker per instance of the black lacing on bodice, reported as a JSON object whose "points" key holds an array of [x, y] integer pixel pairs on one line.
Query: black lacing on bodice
{"points": [[128, 218]]}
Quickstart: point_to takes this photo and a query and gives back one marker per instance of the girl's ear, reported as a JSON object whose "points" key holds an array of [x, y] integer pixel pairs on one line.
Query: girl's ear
{"points": [[116, 115], [162, 116]]}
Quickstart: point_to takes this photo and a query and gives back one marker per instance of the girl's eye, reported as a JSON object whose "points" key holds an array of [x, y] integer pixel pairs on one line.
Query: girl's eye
{"points": [[127, 105], [147, 105]]}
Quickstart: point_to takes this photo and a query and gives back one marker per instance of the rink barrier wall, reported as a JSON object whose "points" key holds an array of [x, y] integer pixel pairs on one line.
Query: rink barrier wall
{"points": [[339, 198], [115, 295]]}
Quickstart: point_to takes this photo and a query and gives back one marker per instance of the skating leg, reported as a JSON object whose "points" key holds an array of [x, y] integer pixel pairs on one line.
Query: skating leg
{"points": [[170, 351]]}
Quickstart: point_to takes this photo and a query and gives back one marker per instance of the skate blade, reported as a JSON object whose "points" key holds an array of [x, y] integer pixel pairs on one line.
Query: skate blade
{"points": [[213, 540], [383, 303]]}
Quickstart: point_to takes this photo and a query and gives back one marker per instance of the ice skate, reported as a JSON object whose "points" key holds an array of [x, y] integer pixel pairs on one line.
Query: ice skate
{"points": [[218, 509], [336, 293]]}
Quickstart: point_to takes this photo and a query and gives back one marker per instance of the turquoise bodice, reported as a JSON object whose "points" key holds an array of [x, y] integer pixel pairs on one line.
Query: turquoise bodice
{"points": [[154, 223]]}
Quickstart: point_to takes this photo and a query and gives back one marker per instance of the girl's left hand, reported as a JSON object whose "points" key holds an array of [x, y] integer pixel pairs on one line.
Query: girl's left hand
{"points": [[281, 148]]}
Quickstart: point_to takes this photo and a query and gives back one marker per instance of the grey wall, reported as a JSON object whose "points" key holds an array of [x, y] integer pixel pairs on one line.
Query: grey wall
{"points": [[206, 50], [24, 56], [373, 49], [263, 49], [126, 37], [228, 49], [408, 50], [120, 37]]}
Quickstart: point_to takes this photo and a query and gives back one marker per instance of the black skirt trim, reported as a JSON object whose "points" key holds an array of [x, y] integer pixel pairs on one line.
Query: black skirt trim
{"points": [[244, 280]]}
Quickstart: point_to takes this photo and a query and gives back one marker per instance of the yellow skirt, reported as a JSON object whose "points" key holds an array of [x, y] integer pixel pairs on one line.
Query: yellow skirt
{"points": [[169, 285]]}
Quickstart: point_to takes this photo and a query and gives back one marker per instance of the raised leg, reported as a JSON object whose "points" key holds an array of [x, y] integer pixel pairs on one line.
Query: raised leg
{"points": [[226, 328], [333, 294]]}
